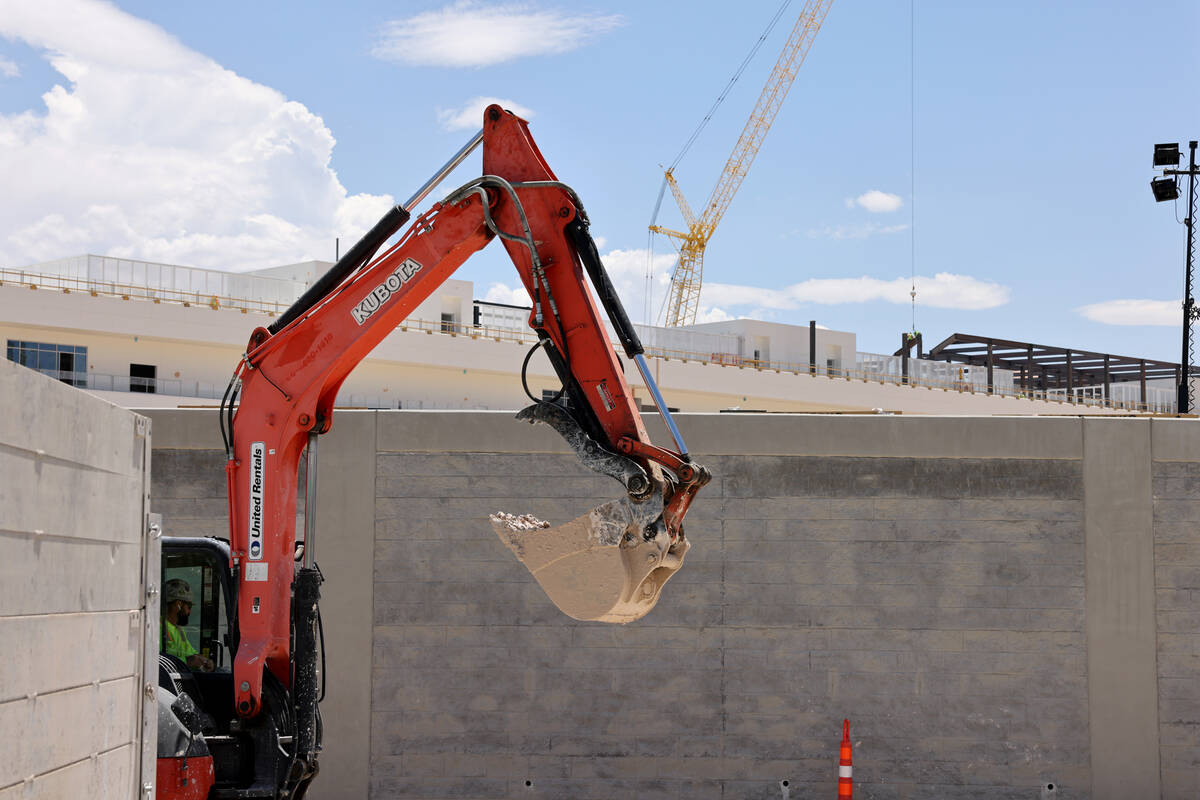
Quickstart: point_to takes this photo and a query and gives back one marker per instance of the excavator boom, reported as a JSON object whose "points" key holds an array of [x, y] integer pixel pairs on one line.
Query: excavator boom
{"points": [[607, 565]]}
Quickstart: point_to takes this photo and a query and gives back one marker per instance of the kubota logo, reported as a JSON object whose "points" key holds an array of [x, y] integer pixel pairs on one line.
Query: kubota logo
{"points": [[384, 291]]}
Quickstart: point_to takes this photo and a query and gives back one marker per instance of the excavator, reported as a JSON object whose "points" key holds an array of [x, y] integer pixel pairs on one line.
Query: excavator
{"points": [[247, 724]]}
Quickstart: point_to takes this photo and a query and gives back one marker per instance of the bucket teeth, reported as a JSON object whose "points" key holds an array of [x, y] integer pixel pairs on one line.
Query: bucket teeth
{"points": [[600, 566]]}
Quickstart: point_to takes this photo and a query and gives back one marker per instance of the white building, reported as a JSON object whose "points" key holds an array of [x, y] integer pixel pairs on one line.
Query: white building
{"points": [[144, 334]]}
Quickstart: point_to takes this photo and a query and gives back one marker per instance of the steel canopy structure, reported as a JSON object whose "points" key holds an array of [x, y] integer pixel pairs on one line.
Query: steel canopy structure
{"points": [[1038, 367]]}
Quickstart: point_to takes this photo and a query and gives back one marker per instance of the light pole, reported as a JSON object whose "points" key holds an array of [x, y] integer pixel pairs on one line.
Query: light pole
{"points": [[1167, 188]]}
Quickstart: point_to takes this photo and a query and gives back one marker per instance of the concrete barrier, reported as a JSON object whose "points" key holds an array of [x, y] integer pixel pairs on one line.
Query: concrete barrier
{"points": [[74, 611]]}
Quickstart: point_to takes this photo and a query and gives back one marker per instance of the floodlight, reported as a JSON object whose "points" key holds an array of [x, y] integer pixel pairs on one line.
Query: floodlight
{"points": [[1166, 155], [1164, 189]]}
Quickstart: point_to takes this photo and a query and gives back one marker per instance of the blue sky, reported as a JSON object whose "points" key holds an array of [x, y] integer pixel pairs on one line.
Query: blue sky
{"points": [[238, 135]]}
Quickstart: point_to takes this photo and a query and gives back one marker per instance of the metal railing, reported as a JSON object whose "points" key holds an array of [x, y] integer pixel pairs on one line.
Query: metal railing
{"points": [[103, 382], [156, 275], [869, 367], [131, 291]]}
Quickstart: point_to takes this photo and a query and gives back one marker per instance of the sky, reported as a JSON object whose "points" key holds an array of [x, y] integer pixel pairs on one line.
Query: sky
{"points": [[997, 154]]}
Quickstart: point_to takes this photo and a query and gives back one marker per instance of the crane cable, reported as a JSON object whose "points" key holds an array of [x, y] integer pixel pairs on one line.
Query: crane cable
{"points": [[648, 301], [648, 304], [721, 97], [912, 193]]}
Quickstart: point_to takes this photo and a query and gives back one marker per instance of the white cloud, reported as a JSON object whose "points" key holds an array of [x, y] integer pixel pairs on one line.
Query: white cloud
{"points": [[729, 294], [9, 68], [713, 314], [948, 290], [469, 116], [501, 293], [1166, 313], [878, 202], [475, 34], [856, 231], [628, 267], [150, 150], [641, 296], [944, 290], [724, 301]]}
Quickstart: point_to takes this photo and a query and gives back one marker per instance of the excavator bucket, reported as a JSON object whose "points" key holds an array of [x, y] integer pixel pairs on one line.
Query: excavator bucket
{"points": [[608, 565]]}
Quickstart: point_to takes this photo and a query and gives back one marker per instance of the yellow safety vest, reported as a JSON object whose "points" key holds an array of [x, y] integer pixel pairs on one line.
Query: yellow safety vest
{"points": [[175, 643]]}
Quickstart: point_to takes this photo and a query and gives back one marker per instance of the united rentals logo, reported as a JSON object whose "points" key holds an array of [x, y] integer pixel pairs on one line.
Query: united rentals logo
{"points": [[384, 291], [258, 458]]}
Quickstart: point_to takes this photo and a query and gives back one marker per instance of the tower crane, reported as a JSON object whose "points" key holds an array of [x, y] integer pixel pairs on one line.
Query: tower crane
{"points": [[684, 299]]}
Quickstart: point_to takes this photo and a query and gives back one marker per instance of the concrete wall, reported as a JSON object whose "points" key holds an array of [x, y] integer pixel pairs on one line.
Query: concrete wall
{"points": [[73, 609], [1175, 475], [996, 604]]}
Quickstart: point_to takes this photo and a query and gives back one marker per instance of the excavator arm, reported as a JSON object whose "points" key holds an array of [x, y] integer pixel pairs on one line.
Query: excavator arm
{"points": [[608, 565]]}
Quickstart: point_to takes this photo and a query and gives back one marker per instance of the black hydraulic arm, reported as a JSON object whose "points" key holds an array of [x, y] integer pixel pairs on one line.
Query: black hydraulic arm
{"points": [[355, 257], [586, 247]]}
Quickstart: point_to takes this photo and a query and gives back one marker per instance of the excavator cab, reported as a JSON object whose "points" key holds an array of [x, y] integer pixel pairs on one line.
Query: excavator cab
{"points": [[202, 742], [207, 631]]}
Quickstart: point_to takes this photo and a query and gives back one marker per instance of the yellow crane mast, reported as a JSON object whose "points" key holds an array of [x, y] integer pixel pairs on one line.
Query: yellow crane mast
{"points": [[684, 299]]}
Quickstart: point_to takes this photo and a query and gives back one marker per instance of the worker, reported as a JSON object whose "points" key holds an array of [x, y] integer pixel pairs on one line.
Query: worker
{"points": [[177, 604]]}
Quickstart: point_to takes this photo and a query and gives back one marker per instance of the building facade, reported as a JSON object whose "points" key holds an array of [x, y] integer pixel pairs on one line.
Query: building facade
{"points": [[143, 334]]}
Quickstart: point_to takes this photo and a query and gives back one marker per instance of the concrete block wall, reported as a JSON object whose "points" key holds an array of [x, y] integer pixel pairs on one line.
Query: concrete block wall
{"points": [[73, 500], [997, 604]]}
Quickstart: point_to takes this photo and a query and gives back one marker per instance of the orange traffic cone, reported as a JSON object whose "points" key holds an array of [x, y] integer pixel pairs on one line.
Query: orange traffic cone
{"points": [[845, 767]]}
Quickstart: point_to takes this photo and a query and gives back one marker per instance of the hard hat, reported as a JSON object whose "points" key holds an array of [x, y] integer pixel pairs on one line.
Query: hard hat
{"points": [[177, 589]]}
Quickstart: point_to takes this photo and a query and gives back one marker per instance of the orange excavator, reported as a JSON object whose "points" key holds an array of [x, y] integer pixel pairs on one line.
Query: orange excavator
{"points": [[251, 727]]}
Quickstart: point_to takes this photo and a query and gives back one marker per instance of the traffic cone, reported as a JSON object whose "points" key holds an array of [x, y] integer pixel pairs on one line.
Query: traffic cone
{"points": [[845, 767]]}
